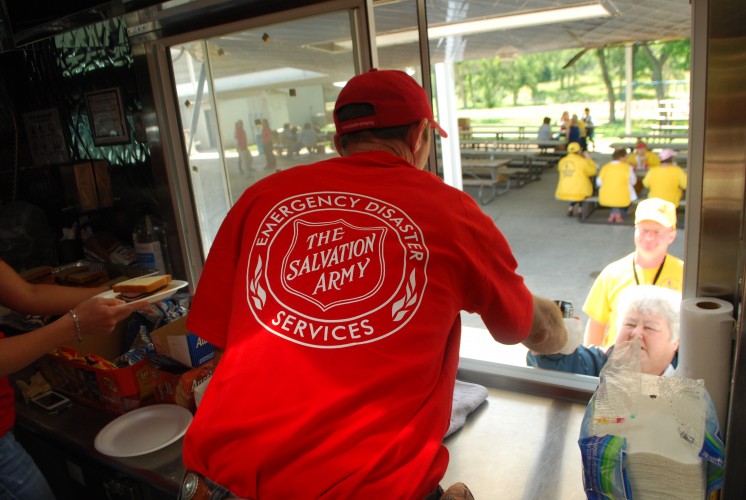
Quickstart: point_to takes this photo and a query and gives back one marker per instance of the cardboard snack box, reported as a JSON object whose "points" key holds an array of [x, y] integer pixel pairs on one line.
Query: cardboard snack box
{"points": [[80, 377], [175, 341], [174, 385]]}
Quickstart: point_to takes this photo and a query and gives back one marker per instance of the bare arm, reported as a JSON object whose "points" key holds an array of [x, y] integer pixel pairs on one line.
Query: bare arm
{"points": [[548, 333], [21, 296], [594, 333], [96, 316]]}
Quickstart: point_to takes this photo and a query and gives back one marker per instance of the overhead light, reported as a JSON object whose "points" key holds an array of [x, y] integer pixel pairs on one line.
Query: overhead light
{"points": [[568, 13], [329, 47], [258, 79], [534, 18]]}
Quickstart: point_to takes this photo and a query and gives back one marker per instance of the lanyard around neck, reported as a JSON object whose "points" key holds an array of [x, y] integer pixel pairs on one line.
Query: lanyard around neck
{"points": [[657, 274]]}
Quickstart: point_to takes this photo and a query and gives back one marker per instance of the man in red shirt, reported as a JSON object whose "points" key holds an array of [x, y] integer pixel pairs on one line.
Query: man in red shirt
{"points": [[242, 145], [335, 290]]}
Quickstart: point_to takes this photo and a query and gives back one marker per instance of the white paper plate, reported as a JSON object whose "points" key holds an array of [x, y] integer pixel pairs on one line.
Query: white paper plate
{"points": [[170, 289], [144, 430]]}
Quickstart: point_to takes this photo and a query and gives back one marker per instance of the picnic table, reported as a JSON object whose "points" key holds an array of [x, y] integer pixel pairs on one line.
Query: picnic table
{"points": [[676, 146], [491, 176], [508, 144], [655, 137], [668, 127], [523, 166], [505, 131]]}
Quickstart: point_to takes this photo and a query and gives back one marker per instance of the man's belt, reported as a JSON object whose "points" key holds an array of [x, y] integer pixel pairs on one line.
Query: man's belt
{"points": [[195, 486]]}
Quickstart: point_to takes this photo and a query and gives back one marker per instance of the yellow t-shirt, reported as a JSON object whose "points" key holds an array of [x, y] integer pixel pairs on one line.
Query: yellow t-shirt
{"points": [[614, 190], [650, 160], [617, 276], [574, 177], [666, 182]]}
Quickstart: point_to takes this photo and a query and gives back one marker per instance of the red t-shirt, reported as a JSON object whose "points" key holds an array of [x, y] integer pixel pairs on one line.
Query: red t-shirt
{"points": [[338, 309], [241, 140], [7, 404]]}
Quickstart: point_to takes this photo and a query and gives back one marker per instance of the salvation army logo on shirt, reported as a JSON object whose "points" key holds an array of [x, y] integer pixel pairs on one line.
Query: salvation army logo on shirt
{"points": [[333, 263], [334, 269]]}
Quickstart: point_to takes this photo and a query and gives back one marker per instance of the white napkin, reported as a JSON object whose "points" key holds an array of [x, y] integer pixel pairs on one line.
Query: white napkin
{"points": [[466, 398]]}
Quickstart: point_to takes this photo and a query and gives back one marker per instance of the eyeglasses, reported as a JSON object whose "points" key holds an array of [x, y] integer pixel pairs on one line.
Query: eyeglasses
{"points": [[655, 233]]}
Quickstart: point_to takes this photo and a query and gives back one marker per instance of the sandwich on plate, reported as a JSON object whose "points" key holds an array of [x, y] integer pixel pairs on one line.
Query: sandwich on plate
{"points": [[142, 287]]}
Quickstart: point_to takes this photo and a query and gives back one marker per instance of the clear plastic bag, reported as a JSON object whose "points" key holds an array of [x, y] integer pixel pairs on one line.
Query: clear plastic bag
{"points": [[672, 413]]}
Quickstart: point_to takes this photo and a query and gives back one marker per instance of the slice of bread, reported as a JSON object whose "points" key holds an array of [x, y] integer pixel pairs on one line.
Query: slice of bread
{"points": [[38, 274], [63, 274], [143, 284], [85, 277]]}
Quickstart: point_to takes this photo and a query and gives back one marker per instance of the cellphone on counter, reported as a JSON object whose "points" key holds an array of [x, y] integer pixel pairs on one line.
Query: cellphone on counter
{"points": [[52, 402]]}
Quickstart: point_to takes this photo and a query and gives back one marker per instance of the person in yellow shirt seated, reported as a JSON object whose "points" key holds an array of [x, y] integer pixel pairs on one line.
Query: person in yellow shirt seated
{"points": [[649, 264], [616, 183], [575, 172], [643, 159], [667, 182]]}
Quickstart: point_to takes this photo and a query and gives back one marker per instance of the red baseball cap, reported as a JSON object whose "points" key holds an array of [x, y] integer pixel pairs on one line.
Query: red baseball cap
{"points": [[641, 144], [397, 99]]}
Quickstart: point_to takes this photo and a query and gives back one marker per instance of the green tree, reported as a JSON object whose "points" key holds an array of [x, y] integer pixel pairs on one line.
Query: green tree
{"points": [[661, 61], [466, 77], [515, 75], [489, 80], [611, 68], [607, 82]]}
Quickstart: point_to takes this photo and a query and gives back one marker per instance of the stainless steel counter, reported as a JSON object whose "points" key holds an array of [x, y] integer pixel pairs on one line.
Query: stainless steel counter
{"points": [[518, 446], [514, 446], [74, 430]]}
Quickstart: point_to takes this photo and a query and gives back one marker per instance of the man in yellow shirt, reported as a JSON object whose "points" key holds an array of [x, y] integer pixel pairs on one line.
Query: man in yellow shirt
{"points": [[649, 264], [616, 186], [575, 172], [642, 159], [667, 182]]}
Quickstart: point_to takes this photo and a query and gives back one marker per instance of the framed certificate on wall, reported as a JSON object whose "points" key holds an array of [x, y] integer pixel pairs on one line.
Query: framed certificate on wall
{"points": [[108, 121], [45, 137]]}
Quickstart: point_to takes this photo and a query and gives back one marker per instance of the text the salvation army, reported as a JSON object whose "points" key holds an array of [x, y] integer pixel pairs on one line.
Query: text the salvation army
{"points": [[340, 264]]}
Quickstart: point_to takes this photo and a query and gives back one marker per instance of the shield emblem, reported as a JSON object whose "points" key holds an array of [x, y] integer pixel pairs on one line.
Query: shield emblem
{"points": [[334, 263]]}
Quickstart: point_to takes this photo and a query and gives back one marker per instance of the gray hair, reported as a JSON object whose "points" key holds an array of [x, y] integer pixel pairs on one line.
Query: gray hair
{"points": [[651, 299]]}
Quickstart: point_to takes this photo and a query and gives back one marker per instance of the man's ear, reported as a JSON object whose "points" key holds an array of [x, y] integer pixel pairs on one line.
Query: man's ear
{"points": [[415, 134], [337, 145]]}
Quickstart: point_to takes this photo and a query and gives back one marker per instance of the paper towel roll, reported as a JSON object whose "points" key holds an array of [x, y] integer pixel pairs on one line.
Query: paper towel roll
{"points": [[706, 346]]}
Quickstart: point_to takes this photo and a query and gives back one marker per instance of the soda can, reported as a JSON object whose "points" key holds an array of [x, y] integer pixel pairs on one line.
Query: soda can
{"points": [[566, 308]]}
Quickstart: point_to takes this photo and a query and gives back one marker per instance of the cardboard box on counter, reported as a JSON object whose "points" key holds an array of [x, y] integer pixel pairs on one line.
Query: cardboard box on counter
{"points": [[175, 341], [117, 390], [107, 346], [175, 385]]}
